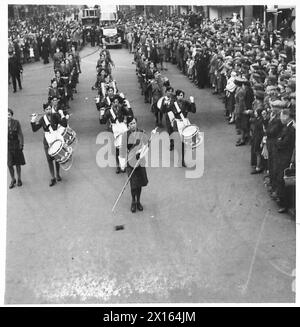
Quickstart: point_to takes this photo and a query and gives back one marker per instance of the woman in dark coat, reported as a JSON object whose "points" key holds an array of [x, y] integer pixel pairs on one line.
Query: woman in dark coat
{"points": [[45, 51], [136, 138], [15, 156]]}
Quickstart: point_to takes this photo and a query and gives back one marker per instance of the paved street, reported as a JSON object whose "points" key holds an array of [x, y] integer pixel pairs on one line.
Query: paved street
{"points": [[213, 239]]}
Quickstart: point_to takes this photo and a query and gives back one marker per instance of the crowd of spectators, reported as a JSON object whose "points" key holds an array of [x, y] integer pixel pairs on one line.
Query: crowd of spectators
{"points": [[251, 68], [38, 37]]}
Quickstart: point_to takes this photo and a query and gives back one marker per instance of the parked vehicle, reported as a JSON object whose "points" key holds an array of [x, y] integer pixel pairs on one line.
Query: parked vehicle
{"points": [[111, 37]]}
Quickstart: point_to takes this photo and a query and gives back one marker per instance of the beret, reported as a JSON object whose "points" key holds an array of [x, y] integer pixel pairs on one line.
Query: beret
{"points": [[278, 104], [259, 94], [272, 87], [258, 86], [283, 55], [256, 75], [240, 80]]}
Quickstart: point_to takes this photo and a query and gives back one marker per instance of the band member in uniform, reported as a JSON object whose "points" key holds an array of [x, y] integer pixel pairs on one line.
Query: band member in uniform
{"points": [[57, 58], [167, 106], [157, 91], [150, 71], [180, 112], [61, 85], [100, 79], [117, 115], [57, 108], [135, 138], [49, 121], [15, 156], [107, 100], [106, 53], [53, 90]]}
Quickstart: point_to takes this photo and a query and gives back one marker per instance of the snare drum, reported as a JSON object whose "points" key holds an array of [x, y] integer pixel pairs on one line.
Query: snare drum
{"points": [[191, 136], [60, 151], [69, 135]]}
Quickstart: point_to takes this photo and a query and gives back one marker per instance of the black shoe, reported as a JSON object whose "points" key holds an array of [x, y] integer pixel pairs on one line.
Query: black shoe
{"points": [[15, 91], [19, 182], [58, 178], [139, 206], [282, 210], [240, 143], [123, 171], [20, 88], [118, 170], [133, 207], [183, 164], [52, 182], [12, 184]]}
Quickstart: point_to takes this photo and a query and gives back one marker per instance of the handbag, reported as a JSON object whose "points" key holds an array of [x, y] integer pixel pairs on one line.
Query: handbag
{"points": [[289, 176]]}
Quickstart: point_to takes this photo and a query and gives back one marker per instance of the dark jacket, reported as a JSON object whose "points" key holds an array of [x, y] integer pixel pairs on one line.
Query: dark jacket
{"points": [[285, 145], [14, 65]]}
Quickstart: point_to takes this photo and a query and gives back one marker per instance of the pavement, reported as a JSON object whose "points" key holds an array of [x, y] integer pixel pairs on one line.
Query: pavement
{"points": [[214, 239]]}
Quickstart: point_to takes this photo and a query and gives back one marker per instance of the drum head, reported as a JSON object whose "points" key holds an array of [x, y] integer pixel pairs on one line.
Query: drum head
{"points": [[190, 130], [55, 147]]}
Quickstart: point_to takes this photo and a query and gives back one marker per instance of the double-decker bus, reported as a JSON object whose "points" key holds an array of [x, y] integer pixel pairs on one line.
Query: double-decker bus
{"points": [[90, 17]]}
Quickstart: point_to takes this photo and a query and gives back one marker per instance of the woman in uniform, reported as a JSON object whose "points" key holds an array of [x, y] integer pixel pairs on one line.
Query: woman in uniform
{"points": [[135, 139], [184, 107], [15, 156], [49, 121], [117, 114]]}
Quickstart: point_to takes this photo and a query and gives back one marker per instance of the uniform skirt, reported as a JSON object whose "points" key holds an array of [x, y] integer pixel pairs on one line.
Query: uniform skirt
{"points": [[138, 178], [15, 157]]}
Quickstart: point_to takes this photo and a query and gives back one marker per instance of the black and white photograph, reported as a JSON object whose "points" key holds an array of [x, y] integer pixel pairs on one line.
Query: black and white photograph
{"points": [[150, 153]]}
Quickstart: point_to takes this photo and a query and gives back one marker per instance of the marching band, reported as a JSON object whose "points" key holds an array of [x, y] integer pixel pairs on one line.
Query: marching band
{"points": [[116, 112]]}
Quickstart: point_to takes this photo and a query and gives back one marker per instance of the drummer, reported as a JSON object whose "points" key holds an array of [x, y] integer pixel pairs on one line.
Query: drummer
{"points": [[50, 122], [117, 115], [166, 107], [180, 112]]}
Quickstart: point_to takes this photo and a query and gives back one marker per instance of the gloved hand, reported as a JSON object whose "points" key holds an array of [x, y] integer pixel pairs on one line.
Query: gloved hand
{"points": [[33, 118], [137, 156], [61, 113]]}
